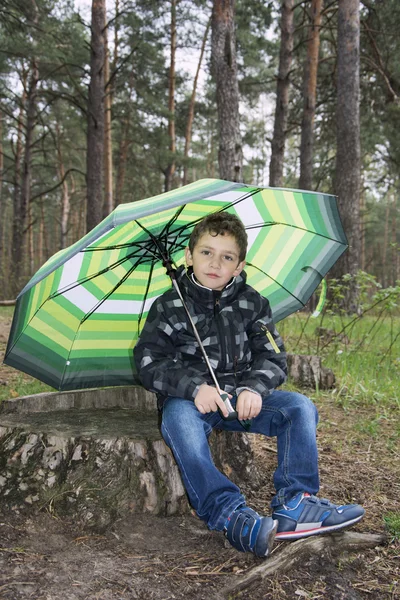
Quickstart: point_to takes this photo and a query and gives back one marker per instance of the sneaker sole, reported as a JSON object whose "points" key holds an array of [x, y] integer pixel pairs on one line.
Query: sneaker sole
{"points": [[298, 535]]}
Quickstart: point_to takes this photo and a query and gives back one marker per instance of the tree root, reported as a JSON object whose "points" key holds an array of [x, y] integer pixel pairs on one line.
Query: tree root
{"points": [[291, 554]]}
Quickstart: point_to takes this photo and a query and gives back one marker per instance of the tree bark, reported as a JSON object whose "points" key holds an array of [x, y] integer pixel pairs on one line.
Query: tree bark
{"points": [[223, 43], [65, 197], [189, 124], [124, 144], [282, 96], [21, 207], [108, 161], [385, 270], [1, 172], [170, 170], [347, 176], [2, 209], [395, 270], [309, 98], [18, 156], [95, 123]]}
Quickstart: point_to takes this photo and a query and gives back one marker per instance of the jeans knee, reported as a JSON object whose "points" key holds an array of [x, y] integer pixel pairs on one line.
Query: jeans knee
{"points": [[305, 406], [182, 423]]}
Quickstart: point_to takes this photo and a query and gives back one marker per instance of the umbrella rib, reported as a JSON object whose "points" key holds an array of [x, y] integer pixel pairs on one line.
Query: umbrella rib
{"points": [[122, 280], [275, 281], [90, 277], [145, 295], [272, 223]]}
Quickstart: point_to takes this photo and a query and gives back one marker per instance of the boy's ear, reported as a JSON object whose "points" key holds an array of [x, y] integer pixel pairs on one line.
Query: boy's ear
{"points": [[188, 257], [239, 268]]}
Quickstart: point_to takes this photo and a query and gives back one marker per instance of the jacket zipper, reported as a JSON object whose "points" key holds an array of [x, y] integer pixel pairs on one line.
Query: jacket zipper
{"points": [[235, 366], [220, 334]]}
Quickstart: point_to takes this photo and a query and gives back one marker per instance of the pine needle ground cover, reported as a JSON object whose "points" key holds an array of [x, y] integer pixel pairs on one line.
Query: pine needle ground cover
{"points": [[358, 440]]}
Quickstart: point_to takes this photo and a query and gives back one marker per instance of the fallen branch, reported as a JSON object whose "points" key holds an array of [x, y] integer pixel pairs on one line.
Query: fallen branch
{"points": [[282, 560], [7, 302]]}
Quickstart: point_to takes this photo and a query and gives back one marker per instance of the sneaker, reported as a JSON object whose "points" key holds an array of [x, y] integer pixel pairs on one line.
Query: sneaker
{"points": [[306, 515], [247, 531]]}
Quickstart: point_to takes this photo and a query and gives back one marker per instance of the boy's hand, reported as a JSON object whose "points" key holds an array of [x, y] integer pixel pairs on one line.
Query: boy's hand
{"points": [[208, 400], [248, 405]]}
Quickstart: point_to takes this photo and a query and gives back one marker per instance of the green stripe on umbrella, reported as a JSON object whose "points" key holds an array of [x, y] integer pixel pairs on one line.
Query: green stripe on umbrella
{"points": [[77, 320]]}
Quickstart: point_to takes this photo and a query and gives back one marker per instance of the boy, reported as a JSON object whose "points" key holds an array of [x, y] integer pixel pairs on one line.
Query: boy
{"points": [[247, 354]]}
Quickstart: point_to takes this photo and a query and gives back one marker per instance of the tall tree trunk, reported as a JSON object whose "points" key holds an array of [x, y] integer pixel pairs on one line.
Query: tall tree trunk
{"points": [[1, 163], [124, 144], [22, 205], [189, 124], [223, 44], [65, 198], [363, 258], [116, 47], [170, 170], [2, 205], [108, 164], [395, 246], [210, 150], [40, 240], [347, 177], [95, 127], [44, 234], [18, 154], [282, 95], [31, 245], [385, 270], [309, 97]]}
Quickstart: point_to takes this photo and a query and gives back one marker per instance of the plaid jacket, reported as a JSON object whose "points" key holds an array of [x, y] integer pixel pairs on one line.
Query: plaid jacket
{"points": [[237, 332]]}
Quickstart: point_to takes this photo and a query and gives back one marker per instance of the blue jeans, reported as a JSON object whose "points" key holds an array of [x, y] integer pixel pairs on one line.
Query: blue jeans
{"points": [[289, 416]]}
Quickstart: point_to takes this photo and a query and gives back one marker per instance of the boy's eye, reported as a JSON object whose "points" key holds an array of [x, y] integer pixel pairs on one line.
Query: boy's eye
{"points": [[206, 252], [227, 257]]}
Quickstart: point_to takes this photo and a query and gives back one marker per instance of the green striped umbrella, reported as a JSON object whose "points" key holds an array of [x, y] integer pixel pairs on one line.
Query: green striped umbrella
{"points": [[77, 320]]}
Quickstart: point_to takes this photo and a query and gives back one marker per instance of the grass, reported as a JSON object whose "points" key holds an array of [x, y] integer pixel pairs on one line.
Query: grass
{"points": [[23, 386], [392, 522], [364, 354], [6, 312]]}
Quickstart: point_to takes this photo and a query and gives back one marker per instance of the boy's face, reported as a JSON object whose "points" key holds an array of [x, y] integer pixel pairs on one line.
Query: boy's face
{"points": [[215, 260]]}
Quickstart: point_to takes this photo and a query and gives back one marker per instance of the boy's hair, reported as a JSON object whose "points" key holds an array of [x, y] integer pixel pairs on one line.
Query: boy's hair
{"points": [[221, 223]]}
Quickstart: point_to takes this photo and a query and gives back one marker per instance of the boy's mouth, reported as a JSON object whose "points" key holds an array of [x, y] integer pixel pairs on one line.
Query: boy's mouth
{"points": [[212, 275]]}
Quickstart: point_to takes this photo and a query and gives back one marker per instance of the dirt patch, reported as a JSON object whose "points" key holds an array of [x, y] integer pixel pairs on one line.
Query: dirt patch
{"points": [[152, 558]]}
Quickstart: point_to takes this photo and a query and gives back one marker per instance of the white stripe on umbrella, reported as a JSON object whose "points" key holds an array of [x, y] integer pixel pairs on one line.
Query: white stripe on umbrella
{"points": [[249, 215]]}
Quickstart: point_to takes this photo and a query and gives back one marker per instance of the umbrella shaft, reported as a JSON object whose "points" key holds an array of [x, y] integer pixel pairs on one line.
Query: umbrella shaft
{"points": [[196, 333]]}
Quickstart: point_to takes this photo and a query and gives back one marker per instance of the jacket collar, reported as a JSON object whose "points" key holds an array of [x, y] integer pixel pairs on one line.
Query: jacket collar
{"points": [[204, 295]]}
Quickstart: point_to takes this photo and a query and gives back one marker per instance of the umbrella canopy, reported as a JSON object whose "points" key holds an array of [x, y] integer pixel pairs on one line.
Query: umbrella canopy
{"points": [[77, 320]]}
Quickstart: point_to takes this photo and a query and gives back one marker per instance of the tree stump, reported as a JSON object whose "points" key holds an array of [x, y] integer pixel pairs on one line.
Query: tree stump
{"points": [[307, 371], [97, 455]]}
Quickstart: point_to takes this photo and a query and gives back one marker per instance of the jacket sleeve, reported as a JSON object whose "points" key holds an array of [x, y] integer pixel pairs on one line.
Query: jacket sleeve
{"points": [[156, 359], [268, 368]]}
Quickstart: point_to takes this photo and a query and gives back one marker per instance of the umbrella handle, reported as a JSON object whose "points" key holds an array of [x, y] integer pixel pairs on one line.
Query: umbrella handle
{"points": [[232, 414]]}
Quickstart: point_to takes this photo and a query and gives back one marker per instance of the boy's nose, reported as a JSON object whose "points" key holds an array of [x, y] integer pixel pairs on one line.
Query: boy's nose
{"points": [[215, 262]]}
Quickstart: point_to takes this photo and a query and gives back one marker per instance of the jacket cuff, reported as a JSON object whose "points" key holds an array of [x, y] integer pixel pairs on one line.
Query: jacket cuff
{"points": [[243, 388]]}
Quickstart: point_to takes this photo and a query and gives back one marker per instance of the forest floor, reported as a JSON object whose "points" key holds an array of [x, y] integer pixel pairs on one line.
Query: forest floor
{"points": [[45, 557]]}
